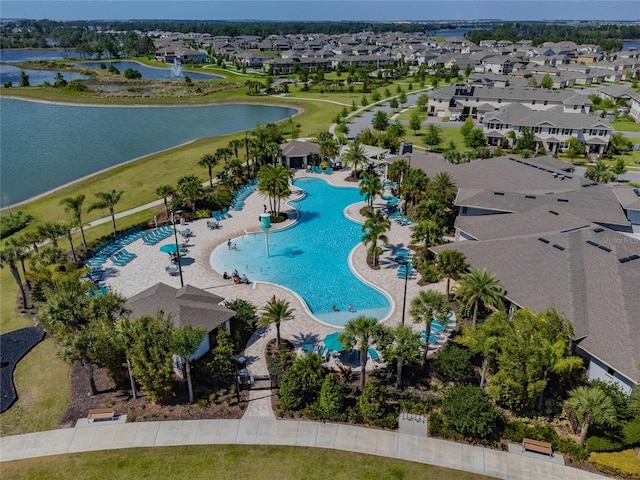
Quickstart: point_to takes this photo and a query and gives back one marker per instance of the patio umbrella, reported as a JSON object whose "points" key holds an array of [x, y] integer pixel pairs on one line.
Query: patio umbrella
{"points": [[170, 248], [332, 343]]}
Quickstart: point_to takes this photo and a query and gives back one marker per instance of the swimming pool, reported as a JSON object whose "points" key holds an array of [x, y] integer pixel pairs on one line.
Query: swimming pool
{"points": [[311, 257]]}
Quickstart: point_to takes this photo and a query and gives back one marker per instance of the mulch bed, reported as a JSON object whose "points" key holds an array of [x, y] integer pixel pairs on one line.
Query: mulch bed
{"points": [[13, 346], [141, 409]]}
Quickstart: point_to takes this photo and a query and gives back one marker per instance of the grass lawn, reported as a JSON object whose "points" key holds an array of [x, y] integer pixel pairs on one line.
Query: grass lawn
{"points": [[448, 134], [42, 381], [626, 126], [225, 462]]}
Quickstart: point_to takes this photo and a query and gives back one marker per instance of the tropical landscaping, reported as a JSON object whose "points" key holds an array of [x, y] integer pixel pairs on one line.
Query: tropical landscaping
{"points": [[499, 378]]}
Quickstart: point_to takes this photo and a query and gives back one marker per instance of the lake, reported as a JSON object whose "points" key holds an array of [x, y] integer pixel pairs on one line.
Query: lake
{"points": [[9, 73], [24, 55], [153, 73], [44, 146]]}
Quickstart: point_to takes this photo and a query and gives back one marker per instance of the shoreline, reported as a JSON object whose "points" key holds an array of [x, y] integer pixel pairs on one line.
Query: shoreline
{"points": [[39, 196]]}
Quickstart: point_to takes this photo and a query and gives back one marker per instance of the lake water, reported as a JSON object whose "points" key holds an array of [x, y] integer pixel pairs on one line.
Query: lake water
{"points": [[150, 72], [23, 55], [44, 146], [628, 45], [9, 73]]}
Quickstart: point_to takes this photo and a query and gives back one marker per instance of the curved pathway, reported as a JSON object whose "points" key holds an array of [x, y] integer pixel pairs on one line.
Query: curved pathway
{"points": [[259, 431]]}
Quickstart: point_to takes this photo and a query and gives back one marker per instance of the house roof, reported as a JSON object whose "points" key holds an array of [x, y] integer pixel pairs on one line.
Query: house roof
{"points": [[629, 197], [571, 272], [299, 149], [186, 306]]}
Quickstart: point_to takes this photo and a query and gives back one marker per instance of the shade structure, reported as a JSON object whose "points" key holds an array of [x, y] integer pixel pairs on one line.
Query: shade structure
{"points": [[332, 343], [170, 248]]}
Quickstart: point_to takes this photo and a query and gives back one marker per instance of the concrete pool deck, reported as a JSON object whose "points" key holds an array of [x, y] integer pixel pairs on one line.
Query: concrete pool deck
{"points": [[149, 268]]}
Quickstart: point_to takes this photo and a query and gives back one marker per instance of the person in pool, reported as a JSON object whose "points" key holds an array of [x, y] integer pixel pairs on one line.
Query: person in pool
{"points": [[335, 309]]}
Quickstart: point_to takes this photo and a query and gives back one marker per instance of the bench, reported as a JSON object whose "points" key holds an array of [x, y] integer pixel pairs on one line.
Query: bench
{"points": [[537, 446], [101, 414]]}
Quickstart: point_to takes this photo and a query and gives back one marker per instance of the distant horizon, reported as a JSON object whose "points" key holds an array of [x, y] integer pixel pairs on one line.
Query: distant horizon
{"points": [[378, 11]]}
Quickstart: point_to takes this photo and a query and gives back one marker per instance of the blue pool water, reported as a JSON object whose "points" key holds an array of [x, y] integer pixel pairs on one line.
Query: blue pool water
{"points": [[311, 257]]}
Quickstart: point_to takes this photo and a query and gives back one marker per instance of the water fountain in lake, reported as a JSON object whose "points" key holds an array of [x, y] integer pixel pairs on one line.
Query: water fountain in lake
{"points": [[176, 69]]}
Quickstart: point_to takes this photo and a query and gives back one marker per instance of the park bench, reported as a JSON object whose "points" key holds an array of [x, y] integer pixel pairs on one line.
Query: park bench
{"points": [[537, 446], [101, 414]]}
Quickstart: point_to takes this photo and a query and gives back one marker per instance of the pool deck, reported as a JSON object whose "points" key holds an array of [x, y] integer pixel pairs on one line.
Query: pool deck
{"points": [[149, 268]]}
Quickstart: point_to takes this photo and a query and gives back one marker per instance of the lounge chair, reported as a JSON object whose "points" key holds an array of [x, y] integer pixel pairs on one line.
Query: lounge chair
{"points": [[225, 213]]}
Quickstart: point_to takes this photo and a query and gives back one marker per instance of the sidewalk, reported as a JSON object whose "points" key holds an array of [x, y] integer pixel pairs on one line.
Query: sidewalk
{"points": [[260, 431]]}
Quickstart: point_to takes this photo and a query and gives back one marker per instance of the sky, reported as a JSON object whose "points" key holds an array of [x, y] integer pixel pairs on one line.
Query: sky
{"points": [[305, 10]]}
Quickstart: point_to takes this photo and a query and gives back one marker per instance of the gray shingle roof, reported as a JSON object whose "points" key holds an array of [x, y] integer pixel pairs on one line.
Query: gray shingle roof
{"points": [[187, 306], [299, 149], [588, 284]]}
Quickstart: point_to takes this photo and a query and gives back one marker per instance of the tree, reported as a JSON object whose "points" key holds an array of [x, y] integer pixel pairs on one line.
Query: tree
{"points": [[273, 313], [469, 411], [67, 228], [397, 169], [427, 307], [450, 263], [78, 346], [370, 186], [190, 189], [393, 103], [618, 144], [428, 233], [484, 339], [479, 286], [592, 407], [309, 373], [151, 355], [221, 366], [9, 256], [375, 227], [52, 231], [414, 185], [274, 183], [599, 172], [415, 121], [467, 127], [442, 187], [164, 192], [526, 141], [186, 341], [402, 98], [328, 146], [74, 205], [422, 101], [108, 200], [453, 363], [355, 157], [433, 136], [332, 393], [619, 168], [475, 139], [209, 161], [124, 340], [574, 149], [546, 82], [361, 332], [24, 79], [402, 348], [371, 400], [380, 121]]}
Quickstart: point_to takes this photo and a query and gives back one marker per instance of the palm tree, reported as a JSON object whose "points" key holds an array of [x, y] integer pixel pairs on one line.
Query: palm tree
{"points": [[375, 226], [427, 307], [479, 286], [52, 231], [9, 256], [592, 406], [370, 186], [108, 200], [67, 228], [74, 205], [600, 172], [124, 339], [397, 169], [363, 332], [209, 161], [21, 246], [354, 156], [33, 237], [79, 346], [274, 183], [274, 312], [164, 192], [451, 263], [190, 188], [443, 187], [428, 233], [404, 347], [414, 185], [272, 151]]}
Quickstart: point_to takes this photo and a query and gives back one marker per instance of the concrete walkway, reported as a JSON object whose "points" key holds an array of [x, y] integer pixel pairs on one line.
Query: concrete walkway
{"points": [[250, 431]]}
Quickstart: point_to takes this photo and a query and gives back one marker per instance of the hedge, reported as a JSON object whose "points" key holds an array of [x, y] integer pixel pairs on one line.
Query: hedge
{"points": [[624, 464]]}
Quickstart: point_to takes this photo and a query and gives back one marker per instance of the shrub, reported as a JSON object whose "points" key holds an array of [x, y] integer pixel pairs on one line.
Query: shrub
{"points": [[453, 363], [631, 433], [371, 401], [570, 447], [602, 444], [620, 464], [13, 222], [331, 396], [469, 411], [436, 425], [516, 430]]}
